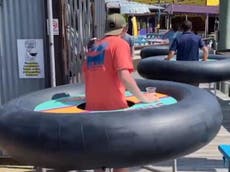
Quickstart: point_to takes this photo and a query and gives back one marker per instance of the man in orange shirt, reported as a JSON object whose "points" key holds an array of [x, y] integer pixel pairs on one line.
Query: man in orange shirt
{"points": [[107, 71]]}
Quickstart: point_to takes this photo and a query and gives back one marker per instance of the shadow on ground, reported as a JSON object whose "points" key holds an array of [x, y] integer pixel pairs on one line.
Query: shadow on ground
{"points": [[184, 164]]}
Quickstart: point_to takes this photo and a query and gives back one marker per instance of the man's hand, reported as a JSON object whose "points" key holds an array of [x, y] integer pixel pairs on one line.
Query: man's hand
{"points": [[167, 58]]}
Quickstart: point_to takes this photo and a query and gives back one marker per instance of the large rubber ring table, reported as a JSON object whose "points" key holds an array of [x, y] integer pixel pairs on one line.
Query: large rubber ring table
{"points": [[216, 69], [113, 139], [154, 51]]}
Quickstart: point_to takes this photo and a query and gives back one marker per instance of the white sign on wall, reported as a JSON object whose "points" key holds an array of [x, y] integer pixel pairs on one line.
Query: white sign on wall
{"points": [[30, 58], [55, 27]]}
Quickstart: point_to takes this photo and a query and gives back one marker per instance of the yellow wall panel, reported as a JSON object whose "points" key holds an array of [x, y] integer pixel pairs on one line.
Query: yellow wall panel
{"points": [[192, 2], [213, 2]]}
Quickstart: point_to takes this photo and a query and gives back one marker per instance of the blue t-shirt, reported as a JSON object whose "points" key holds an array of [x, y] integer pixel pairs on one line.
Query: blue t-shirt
{"points": [[171, 35], [129, 39], [187, 46]]}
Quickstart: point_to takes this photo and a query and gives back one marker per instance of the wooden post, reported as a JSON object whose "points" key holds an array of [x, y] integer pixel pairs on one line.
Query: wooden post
{"points": [[223, 42]]}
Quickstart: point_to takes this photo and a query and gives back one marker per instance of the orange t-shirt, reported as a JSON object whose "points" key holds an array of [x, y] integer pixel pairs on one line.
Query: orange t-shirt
{"points": [[104, 90]]}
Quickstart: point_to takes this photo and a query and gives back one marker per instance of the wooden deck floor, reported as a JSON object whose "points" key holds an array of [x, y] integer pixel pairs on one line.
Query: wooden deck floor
{"points": [[207, 159]]}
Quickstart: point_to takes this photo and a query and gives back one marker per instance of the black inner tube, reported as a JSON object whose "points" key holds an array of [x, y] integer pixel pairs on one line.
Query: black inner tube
{"points": [[109, 139], [218, 69]]}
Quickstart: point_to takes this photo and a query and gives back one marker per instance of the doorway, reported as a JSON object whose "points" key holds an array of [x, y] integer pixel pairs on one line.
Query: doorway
{"points": [[77, 21]]}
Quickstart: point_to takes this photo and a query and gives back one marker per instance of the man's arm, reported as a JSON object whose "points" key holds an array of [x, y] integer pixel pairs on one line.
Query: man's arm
{"points": [[132, 51], [132, 46], [205, 53], [170, 55], [204, 49], [131, 85], [172, 49]]}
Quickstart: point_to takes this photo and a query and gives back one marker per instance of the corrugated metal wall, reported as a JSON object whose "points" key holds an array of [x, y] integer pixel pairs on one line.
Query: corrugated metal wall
{"points": [[19, 19], [100, 16]]}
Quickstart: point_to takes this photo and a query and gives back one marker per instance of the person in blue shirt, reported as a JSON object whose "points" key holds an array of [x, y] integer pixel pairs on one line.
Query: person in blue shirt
{"points": [[129, 39], [187, 45], [171, 34]]}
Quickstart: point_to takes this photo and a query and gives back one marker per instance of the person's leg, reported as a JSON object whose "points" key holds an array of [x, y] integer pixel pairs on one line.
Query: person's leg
{"points": [[121, 170]]}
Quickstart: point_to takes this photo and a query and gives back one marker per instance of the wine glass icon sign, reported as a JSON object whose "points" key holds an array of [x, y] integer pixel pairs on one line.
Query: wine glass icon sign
{"points": [[32, 53]]}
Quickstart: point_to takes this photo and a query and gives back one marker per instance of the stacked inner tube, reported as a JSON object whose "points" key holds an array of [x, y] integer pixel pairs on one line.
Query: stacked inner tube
{"points": [[154, 51], [110, 139], [216, 69]]}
